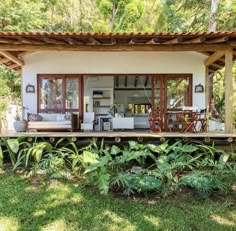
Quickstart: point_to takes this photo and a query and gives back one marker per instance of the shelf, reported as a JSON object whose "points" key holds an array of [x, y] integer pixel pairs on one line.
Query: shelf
{"points": [[105, 114], [98, 98], [101, 106]]}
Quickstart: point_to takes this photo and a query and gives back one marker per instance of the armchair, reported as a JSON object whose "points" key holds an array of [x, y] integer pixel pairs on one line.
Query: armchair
{"points": [[88, 123]]}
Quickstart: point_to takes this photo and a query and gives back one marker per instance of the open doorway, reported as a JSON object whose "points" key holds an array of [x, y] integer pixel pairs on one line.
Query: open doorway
{"points": [[132, 98]]}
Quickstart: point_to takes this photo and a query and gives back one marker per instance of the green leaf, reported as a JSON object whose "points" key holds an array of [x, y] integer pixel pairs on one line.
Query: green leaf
{"points": [[115, 150], [13, 144], [224, 157], [1, 157], [189, 148], [89, 157], [132, 145], [103, 182]]}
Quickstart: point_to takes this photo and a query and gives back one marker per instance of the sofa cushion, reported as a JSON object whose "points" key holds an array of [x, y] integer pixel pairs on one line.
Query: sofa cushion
{"points": [[49, 116], [60, 117]]}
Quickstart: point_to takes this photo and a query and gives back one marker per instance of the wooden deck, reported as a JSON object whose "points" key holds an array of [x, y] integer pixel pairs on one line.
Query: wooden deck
{"points": [[124, 134]]}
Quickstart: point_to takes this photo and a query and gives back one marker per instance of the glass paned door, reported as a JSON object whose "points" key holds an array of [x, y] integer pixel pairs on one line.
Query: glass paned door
{"points": [[59, 93], [177, 92], [170, 92], [72, 93], [51, 94]]}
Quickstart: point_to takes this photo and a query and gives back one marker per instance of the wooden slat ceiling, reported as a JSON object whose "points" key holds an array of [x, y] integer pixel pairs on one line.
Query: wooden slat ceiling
{"points": [[14, 45]]}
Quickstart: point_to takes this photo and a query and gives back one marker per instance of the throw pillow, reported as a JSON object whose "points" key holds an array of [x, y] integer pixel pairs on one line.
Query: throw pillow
{"points": [[34, 117], [67, 116]]}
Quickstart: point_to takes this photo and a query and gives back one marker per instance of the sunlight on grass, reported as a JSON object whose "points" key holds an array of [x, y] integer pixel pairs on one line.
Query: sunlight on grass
{"points": [[56, 225], [39, 213], [31, 189], [8, 224], [117, 222], [154, 220], [222, 221], [60, 193]]}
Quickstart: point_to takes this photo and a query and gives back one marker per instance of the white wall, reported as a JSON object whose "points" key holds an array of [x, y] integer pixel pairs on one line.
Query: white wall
{"points": [[108, 63]]}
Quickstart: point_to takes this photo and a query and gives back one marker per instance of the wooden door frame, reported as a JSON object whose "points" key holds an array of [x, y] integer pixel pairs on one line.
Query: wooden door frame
{"points": [[63, 77], [163, 91]]}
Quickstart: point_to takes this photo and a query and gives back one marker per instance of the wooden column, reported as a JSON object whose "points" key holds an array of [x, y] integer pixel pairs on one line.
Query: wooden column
{"points": [[207, 94], [228, 91], [207, 88]]}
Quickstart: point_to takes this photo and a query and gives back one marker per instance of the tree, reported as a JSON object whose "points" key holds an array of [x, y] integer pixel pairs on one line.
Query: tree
{"points": [[119, 15]]}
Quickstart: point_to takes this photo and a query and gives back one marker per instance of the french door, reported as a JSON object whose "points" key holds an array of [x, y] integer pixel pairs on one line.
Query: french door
{"points": [[171, 92], [60, 93]]}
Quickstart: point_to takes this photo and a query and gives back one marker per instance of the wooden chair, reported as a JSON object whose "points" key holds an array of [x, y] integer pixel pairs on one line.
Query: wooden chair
{"points": [[188, 120], [201, 124], [155, 121]]}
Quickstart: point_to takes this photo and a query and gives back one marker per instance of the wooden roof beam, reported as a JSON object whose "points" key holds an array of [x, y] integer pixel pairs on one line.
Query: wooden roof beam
{"points": [[29, 41], [218, 40], [93, 41], [12, 66], [117, 47], [4, 60], [217, 65], [215, 56], [73, 41], [152, 41], [6, 40], [195, 40], [52, 41], [12, 57], [174, 41]]}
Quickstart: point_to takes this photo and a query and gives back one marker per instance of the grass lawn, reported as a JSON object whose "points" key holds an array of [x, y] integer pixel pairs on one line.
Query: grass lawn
{"points": [[29, 205]]}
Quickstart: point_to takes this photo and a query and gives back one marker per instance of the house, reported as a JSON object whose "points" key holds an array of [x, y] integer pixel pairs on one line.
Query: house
{"points": [[119, 76]]}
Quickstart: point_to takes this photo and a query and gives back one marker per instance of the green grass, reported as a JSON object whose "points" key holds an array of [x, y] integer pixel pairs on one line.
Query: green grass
{"points": [[65, 206]]}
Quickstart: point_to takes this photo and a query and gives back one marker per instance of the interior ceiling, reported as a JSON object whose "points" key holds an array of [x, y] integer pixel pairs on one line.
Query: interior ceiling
{"points": [[132, 81], [14, 45]]}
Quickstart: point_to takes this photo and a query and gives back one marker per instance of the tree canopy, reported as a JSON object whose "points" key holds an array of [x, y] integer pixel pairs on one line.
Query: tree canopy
{"points": [[116, 15]]}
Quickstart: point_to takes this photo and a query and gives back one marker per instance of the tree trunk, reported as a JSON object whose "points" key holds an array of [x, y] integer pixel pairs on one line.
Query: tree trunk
{"points": [[212, 28], [212, 20]]}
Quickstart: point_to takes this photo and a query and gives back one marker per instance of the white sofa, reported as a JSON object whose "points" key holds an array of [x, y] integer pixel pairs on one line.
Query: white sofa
{"points": [[53, 121]]}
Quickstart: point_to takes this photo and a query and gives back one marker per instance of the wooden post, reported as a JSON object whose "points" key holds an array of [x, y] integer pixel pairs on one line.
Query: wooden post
{"points": [[207, 88], [228, 91], [207, 94]]}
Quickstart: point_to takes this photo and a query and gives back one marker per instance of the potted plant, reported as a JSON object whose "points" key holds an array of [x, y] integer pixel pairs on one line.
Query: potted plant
{"points": [[20, 124]]}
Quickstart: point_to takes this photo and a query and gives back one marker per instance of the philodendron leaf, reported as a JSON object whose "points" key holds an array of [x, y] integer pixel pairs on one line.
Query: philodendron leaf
{"points": [[224, 157], [89, 157], [189, 148], [13, 144], [103, 182], [133, 145], [115, 150]]}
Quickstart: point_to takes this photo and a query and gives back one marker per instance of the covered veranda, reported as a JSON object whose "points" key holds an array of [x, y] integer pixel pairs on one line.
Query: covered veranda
{"points": [[219, 49]]}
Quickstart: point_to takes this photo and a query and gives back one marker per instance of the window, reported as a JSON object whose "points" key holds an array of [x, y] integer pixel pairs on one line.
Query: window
{"points": [[139, 108], [59, 93]]}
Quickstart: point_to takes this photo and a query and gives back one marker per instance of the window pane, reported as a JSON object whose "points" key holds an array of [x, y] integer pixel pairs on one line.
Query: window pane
{"points": [[72, 93], [51, 94], [157, 96], [177, 92]]}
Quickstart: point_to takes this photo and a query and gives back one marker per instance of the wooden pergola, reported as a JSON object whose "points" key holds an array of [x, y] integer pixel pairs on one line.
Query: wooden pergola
{"points": [[219, 49]]}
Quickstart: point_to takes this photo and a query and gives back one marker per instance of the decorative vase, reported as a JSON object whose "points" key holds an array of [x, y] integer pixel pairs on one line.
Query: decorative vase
{"points": [[20, 125]]}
